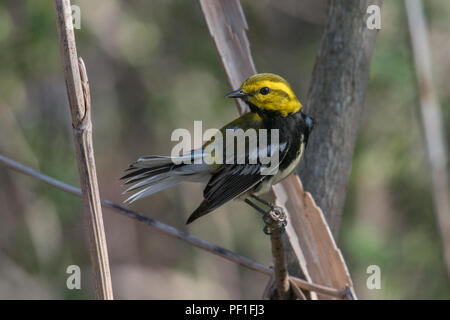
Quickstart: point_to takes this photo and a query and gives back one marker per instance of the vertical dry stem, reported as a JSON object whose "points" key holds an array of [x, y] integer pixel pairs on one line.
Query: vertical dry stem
{"points": [[80, 105], [432, 123]]}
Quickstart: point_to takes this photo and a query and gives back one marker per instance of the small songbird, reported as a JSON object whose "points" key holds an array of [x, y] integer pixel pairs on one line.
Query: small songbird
{"points": [[273, 106]]}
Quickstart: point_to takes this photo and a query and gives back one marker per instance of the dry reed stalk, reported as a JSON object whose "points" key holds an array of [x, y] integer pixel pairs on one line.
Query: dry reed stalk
{"points": [[80, 108]]}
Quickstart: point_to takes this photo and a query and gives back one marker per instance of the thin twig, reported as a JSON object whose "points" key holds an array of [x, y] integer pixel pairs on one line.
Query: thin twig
{"points": [[171, 231], [80, 107], [276, 225], [432, 122]]}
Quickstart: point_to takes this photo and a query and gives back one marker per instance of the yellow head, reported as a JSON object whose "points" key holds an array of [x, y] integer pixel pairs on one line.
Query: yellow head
{"points": [[268, 91]]}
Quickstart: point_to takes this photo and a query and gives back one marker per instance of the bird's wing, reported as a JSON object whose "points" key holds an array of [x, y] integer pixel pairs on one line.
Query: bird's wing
{"points": [[219, 143], [233, 178]]}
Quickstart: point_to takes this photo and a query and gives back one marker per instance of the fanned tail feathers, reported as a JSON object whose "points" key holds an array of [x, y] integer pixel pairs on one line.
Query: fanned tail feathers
{"points": [[152, 174]]}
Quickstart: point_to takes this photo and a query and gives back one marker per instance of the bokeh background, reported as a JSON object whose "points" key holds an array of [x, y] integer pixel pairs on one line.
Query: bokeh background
{"points": [[153, 68]]}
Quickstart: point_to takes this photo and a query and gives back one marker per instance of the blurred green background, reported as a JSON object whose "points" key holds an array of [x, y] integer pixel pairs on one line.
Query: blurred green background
{"points": [[153, 68]]}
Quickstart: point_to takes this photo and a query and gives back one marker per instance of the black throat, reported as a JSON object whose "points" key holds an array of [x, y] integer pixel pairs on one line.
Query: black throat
{"points": [[295, 127], [273, 119]]}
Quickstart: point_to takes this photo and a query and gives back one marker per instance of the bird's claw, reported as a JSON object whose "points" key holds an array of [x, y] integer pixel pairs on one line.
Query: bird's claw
{"points": [[275, 218]]}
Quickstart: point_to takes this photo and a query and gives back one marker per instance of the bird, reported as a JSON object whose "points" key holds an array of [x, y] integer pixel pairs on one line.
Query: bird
{"points": [[273, 106]]}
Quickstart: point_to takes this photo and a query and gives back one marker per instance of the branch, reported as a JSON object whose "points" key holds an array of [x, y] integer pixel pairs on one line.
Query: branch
{"points": [[227, 25], [280, 268], [80, 107], [431, 121], [171, 231], [336, 100]]}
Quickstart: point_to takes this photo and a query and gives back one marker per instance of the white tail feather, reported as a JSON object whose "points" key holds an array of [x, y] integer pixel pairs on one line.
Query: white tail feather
{"points": [[160, 176], [166, 183]]}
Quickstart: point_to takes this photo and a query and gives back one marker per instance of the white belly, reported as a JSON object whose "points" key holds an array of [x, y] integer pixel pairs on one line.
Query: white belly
{"points": [[280, 175]]}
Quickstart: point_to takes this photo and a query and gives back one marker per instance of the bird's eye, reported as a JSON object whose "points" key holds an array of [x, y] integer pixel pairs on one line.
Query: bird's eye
{"points": [[264, 91]]}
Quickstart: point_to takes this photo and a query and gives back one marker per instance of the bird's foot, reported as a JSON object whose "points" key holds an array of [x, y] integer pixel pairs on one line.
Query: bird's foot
{"points": [[274, 219]]}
